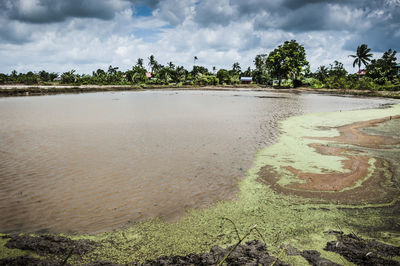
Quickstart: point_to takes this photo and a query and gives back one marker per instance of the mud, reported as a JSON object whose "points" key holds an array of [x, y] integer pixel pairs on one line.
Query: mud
{"points": [[48, 244], [251, 253], [28, 261], [350, 246], [363, 252], [314, 258], [358, 180]]}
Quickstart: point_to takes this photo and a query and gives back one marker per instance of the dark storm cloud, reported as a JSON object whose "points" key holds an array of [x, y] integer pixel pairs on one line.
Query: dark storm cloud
{"points": [[375, 22], [48, 11]]}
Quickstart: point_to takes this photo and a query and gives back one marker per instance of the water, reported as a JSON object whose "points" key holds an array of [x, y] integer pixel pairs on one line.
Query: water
{"points": [[93, 162]]}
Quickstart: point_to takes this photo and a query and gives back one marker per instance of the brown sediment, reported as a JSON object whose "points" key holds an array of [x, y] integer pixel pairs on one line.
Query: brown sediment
{"points": [[359, 181], [353, 134]]}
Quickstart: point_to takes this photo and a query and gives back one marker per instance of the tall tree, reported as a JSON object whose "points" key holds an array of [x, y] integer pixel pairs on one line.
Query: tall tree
{"points": [[236, 68], [362, 56], [152, 63], [383, 69], [322, 73], [337, 69], [288, 60], [139, 62]]}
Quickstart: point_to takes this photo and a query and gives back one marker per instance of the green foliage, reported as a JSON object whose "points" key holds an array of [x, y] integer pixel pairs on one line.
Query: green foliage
{"points": [[321, 74], [68, 77], [137, 75], [236, 69], [223, 76], [199, 70], [203, 79], [287, 63], [337, 69], [313, 83], [362, 56], [288, 60], [364, 83], [382, 70], [336, 82]]}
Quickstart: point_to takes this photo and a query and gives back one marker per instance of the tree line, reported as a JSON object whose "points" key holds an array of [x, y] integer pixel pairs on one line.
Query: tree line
{"points": [[284, 66]]}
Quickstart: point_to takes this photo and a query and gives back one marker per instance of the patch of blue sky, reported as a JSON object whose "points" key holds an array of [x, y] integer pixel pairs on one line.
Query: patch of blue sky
{"points": [[143, 11]]}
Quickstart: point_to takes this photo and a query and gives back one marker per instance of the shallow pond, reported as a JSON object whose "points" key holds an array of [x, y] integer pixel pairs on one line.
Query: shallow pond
{"points": [[93, 162]]}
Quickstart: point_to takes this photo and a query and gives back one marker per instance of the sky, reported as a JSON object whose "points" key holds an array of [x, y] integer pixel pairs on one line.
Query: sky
{"points": [[85, 35]]}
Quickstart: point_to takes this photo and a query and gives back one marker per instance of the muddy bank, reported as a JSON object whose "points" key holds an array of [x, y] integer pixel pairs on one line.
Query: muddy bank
{"points": [[362, 177], [37, 90], [351, 247], [48, 244], [33, 90]]}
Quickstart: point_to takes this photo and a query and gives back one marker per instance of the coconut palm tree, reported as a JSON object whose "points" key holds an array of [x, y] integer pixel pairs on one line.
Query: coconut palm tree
{"points": [[152, 63], [362, 56], [139, 62]]}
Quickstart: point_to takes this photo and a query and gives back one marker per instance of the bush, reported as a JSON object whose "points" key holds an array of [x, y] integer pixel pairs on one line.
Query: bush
{"points": [[365, 83], [313, 83], [335, 82]]}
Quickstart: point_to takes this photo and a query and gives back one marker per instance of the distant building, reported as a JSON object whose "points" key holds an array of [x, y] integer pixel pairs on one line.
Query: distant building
{"points": [[246, 80], [360, 73], [148, 75], [57, 79]]}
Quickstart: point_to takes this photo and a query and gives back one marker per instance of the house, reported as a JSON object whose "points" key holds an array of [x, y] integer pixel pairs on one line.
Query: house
{"points": [[360, 73], [148, 75], [57, 79], [246, 80]]}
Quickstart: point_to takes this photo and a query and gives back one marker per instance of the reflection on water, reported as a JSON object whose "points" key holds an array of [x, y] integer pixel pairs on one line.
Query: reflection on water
{"points": [[93, 162]]}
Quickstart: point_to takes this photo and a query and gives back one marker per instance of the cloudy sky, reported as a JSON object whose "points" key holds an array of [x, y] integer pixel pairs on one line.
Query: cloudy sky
{"points": [[59, 35]]}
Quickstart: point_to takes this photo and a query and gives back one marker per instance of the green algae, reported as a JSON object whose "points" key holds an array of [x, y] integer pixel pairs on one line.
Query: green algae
{"points": [[8, 253], [281, 219]]}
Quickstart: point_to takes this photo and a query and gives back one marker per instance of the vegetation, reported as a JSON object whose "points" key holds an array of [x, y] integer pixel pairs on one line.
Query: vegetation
{"points": [[362, 56], [287, 61], [285, 66]]}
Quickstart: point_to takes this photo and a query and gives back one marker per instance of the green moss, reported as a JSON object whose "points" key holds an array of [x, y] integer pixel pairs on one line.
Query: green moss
{"points": [[9, 253]]}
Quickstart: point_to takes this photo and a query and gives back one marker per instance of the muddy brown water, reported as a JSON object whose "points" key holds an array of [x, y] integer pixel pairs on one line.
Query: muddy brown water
{"points": [[93, 162]]}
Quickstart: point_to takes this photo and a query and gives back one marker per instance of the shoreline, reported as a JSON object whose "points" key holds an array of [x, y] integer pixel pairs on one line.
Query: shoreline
{"points": [[281, 219], [37, 90]]}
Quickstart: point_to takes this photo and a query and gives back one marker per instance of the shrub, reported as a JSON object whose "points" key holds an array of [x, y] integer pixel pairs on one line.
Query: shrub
{"points": [[365, 83], [313, 83]]}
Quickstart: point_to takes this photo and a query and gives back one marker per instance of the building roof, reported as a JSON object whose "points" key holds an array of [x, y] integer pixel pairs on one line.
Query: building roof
{"points": [[246, 78], [361, 72]]}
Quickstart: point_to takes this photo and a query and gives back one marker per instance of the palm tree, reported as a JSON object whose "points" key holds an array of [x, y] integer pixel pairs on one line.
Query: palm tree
{"points": [[152, 63], [362, 56], [139, 62]]}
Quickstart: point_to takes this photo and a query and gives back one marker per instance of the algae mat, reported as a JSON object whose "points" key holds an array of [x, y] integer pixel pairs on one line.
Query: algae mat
{"points": [[313, 144]]}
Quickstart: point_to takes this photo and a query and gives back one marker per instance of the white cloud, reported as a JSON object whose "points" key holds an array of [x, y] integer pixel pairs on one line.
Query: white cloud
{"points": [[218, 32]]}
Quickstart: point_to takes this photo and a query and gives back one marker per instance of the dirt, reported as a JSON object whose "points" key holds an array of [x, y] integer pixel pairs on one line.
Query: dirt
{"points": [[353, 134], [342, 186], [351, 247], [28, 261], [363, 252], [48, 244], [314, 258], [251, 253]]}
